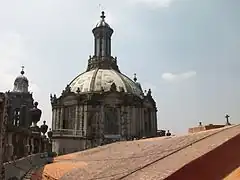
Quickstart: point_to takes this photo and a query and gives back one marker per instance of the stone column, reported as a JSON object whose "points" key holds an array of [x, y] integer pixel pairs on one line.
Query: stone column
{"points": [[9, 146]]}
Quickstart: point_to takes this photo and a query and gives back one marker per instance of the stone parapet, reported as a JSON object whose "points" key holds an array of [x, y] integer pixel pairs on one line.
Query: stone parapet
{"points": [[204, 128], [19, 168]]}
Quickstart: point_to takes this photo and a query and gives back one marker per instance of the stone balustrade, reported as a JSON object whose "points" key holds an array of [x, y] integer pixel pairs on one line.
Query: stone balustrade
{"points": [[68, 132]]}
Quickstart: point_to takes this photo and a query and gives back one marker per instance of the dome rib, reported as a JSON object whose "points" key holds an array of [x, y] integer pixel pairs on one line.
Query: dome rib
{"points": [[92, 83], [125, 84]]}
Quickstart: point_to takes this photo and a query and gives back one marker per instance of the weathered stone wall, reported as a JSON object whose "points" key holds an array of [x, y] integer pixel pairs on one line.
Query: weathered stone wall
{"points": [[17, 169], [64, 145], [3, 125]]}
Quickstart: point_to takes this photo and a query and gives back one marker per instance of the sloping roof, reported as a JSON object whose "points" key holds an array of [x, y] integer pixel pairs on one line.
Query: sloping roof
{"points": [[155, 158], [235, 175]]}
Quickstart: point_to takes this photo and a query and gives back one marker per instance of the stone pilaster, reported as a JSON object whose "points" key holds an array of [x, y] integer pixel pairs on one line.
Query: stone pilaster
{"points": [[134, 121], [76, 118], [9, 147], [85, 109], [26, 146], [54, 118], [81, 119], [128, 117], [39, 145], [32, 145], [155, 122], [143, 123], [61, 117]]}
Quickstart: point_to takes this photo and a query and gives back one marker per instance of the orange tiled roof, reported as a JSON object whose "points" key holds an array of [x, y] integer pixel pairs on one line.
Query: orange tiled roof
{"points": [[235, 175], [155, 158]]}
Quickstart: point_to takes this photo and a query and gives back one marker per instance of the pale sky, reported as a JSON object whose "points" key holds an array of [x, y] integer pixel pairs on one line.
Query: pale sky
{"points": [[186, 51]]}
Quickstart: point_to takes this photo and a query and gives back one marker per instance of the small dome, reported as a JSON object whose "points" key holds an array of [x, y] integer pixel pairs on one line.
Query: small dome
{"points": [[21, 83], [102, 22], [102, 79]]}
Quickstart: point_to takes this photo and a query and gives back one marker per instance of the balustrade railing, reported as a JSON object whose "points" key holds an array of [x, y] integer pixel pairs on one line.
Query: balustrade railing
{"points": [[67, 132]]}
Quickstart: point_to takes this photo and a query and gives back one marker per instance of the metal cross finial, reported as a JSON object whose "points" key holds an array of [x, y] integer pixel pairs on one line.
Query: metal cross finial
{"points": [[103, 16], [22, 72], [135, 77], [227, 118]]}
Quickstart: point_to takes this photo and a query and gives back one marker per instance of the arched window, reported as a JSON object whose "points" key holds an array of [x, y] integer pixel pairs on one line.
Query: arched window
{"points": [[16, 121]]}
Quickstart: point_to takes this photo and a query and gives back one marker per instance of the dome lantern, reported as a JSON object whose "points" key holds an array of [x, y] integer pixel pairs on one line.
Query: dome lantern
{"points": [[21, 83], [102, 38], [102, 57]]}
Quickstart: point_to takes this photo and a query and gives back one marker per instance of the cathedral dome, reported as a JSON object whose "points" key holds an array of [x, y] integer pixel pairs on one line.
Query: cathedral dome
{"points": [[103, 73], [98, 80], [21, 83]]}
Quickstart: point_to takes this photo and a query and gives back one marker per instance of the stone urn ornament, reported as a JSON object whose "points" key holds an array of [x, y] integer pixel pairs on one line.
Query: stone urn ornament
{"points": [[35, 115], [44, 128], [50, 133]]}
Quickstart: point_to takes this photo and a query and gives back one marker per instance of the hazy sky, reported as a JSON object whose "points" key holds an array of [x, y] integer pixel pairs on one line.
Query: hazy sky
{"points": [[186, 51]]}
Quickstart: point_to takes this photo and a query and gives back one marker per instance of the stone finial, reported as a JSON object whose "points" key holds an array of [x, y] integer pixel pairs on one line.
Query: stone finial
{"points": [[149, 93], [51, 98], [50, 133], [35, 114], [44, 128], [102, 89], [78, 90], [168, 133], [113, 87], [68, 89]]}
